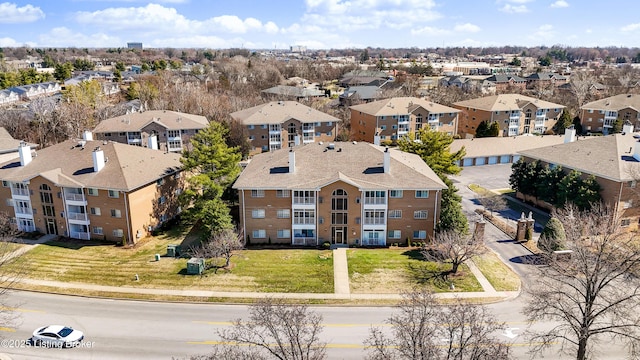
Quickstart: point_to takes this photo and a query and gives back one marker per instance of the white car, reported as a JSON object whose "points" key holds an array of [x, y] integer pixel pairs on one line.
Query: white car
{"points": [[57, 336]]}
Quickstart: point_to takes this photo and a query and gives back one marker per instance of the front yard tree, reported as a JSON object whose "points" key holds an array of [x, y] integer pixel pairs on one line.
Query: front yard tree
{"points": [[563, 122], [11, 268], [274, 330], [454, 248], [422, 328], [553, 236], [434, 149], [219, 248], [212, 166], [594, 295]]}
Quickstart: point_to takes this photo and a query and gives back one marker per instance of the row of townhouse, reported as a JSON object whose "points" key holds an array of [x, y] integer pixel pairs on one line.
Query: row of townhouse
{"points": [[91, 189], [343, 193], [28, 92]]}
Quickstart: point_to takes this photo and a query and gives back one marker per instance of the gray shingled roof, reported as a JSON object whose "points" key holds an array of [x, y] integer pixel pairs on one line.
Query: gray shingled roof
{"points": [[293, 91], [609, 157], [359, 164], [505, 102], [8, 143], [497, 146], [127, 167], [171, 120], [401, 106], [615, 103], [277, 112]]}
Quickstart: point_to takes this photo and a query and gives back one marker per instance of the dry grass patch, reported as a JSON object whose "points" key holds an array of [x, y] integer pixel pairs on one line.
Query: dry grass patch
{"points": [[501, 277]]}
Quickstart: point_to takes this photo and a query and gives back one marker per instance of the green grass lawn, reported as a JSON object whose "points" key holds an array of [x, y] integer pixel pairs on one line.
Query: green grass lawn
{"points": [[499, 275], [398, 269], [294, 270]]}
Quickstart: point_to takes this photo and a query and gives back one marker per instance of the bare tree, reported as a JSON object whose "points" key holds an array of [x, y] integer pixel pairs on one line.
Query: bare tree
{"points": [[274, 330], [452, 247], [493, 202], [595, 294], [11, 270], [220, 246], [424, 329]]}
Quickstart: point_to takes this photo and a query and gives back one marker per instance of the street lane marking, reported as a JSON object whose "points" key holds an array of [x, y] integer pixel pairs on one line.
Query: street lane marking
{"points": [[4, 308], [6, 329]]}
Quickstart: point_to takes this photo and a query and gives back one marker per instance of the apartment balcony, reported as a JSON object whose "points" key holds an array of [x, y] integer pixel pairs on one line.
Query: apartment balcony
{"points": [[304, 241], [82, 217], [134, 139], [374, 221], [304, 221], [80, 235], [174, 138], [17, 192], [514, 117], [22, 211], [304, 201], [374, 242]]}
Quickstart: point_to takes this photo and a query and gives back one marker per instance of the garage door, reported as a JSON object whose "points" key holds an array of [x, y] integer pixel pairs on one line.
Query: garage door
{"points": [[504, 159], [493, 160], [467, 162], [516, 158], [480, 161]]}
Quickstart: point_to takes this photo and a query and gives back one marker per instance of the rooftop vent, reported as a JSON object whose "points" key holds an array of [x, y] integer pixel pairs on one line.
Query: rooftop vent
{"points": [[331, 146]]}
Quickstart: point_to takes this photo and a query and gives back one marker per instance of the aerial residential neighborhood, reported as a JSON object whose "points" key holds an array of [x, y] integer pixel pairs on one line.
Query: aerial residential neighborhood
{"points": [[323, 179]]}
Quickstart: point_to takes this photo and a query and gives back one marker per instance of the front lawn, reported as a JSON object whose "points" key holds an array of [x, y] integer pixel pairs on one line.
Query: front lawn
{"points": [[395, 270]]}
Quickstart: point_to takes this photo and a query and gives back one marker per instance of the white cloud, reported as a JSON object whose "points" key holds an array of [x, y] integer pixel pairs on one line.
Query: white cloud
{"points": [[468, 27], [429, 31], [630, 27], [10, 13], [9, 42], [514, 9], [544, 32], [560, 4], [59, 37]]}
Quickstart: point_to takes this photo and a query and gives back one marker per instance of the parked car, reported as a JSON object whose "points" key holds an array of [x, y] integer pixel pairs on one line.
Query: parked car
{"points": [[57, 336]]}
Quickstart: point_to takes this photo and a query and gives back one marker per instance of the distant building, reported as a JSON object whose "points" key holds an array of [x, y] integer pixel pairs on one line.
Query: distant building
{"points": [[134, 45], [298, 49]]}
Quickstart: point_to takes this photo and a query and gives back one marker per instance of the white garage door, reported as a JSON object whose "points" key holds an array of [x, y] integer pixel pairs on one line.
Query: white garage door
{"points": [[516, 158], [504, 159], [480, 161], [467, 162], [493, 160]]}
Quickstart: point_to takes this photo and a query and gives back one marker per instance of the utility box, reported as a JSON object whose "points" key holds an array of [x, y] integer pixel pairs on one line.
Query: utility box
{"points": [[173, 250], [195, 266]]}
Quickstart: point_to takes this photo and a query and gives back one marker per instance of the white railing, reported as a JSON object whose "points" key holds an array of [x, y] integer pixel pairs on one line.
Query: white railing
{"points": [[304, 221], [77, 216], [373, 242], [74, 197], [304, 200], [80, 235], [374, 221], [24, 211], [21, 192], [304, 241], [375, 201]]}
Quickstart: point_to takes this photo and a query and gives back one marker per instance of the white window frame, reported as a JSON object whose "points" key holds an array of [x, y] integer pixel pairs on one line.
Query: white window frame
{"points": [[98, 230], [420, 193], [420, 214], [114, 194], [259, 233], [422, 234], [118, 232], [95, 211], [93, 191], [284, 213], [394, 234], [116, 213], [396, 194], [395, 214], [284, 233], [283, 193], [258, 213], [257, 193]]}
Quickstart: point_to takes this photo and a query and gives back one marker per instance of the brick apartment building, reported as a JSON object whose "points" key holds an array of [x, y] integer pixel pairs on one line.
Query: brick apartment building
{"points": [[282, 124], [342, 193], [91, 190], [600, 115], [393, 118]]}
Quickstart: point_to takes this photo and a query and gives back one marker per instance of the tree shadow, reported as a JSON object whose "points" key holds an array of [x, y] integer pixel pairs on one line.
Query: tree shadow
{"points": [[427, 273], [415, 254], [532, 259], [76, 244]]}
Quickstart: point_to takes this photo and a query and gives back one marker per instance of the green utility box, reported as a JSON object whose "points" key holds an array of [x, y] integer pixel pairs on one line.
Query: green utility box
{"points": [[173, 250], [195, 266]]}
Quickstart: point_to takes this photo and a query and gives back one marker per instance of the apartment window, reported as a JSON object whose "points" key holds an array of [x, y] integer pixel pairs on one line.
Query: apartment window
{"points": [[394, 234], [9, 202], [632, 184], [395, 214], [394, 126], [318, 133], [284, 234], [420, 214], [97, 230], [420, 234], [328, 133], [257, 193], [92, 191], [259, 234], [422, 194], [251, 127], [396, 194], [257, 213], [283, 193], [95, 211], [330, 123], [5, 183], [251, 137], [264, 126], [383, 127], [317, 124], [114, 194], [284, 214], [118, 232], [116, 213]]}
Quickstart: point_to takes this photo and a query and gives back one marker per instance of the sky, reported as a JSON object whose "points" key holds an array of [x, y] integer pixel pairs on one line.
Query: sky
{"points": [[319, 24]]}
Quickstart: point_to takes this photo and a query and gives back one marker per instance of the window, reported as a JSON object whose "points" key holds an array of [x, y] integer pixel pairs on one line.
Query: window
{"points": [[264, 126], [395, 194], [114, 194], [93, 192], [257, 193], [420, 234], [328, 133], [329, 123], [162, 200], [116, 213], [97, 230], [394, 234], [251, 127], [318, 134], [251, 137], [625, 222], [632, 184], [317, 123], [422, 194], [284, 234], [395, 214], [9, 202], [5, 183], [95, 211], [284, 214], [259, 234], [283, 193], [118, 232], [383, 127], [257, 213], [420, 214]]}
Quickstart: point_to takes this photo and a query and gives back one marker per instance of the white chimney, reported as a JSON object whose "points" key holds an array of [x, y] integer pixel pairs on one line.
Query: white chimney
{"points": [[376, 139], [98, 159], [569, 135], [87, 135], [152, 142], [387, 161], [292, 161], [627, 129], [24, 150]]}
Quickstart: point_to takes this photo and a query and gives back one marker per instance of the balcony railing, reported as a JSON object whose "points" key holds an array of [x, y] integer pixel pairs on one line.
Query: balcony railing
{"points": [[304, 241], [375, 201], [20, 192], [24, 211], [77, 216], [304, 200], [74, 197], [304, 221], [80, 235], [373, 242], [374, 221]]}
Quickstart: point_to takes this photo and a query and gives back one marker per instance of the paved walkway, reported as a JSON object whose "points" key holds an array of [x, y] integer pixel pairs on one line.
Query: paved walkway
{"points": [[340, 272]]}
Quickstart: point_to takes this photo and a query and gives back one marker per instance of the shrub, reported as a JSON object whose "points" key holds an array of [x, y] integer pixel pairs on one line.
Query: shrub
{"points": [[553, 236]]}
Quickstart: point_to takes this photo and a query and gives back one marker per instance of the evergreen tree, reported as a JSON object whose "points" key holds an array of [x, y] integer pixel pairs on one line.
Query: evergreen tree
{"points": [[553, 236], [564, 122], [212, 167], [482, 130], [494, 129], [617, 126]]}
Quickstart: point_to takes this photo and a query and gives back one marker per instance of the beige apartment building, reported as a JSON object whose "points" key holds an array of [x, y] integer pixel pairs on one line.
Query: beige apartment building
{"points": [[600, 115], [283, 124], [343, 193], [162, 130], [391, 119], [515, 114], [91, 190], [614, 161]]}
